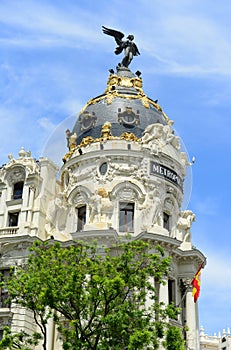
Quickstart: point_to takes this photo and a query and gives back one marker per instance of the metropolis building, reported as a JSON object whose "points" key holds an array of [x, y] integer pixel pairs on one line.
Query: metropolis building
{"points": [[123, 172]]}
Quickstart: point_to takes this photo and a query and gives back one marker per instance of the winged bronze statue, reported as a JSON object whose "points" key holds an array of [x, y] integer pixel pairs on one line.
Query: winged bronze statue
{"points": [[129, 47]]}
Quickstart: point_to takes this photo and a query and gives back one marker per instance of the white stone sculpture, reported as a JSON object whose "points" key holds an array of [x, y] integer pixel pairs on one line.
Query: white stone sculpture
{"points": [[151, 209], [95, 207], [56, 216], [152, 137], [184, 225], [106, 206], [170, 138]]}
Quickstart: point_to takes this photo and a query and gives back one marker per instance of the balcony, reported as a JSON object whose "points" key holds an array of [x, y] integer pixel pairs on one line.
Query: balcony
{"points": [[13, 230]]}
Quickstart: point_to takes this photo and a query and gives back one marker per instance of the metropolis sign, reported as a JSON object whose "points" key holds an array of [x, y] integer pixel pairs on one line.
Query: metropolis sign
{"points": [[167, 173]]}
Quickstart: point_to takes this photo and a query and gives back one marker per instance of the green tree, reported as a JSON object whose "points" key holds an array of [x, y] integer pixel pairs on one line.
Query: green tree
{"points": [[174, 339], [21, 340], [99, 297]]}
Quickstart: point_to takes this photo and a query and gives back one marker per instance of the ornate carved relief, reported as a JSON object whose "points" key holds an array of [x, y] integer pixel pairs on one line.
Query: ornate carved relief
{"points": [[79, 196], [142, 173], [127, 191], [15, 174], [123, 169], [25, 161]]}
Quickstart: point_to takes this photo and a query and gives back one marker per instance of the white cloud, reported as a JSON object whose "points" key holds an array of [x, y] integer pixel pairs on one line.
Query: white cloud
{"points": [[44, 24], [46, 124], [181, 37]]}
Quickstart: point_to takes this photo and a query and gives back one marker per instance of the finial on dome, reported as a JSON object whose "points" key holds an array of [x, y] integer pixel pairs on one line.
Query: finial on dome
{"points": [[22, 152]]}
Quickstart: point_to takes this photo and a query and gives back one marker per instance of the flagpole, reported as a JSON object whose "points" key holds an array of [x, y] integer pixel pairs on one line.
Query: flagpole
{"points": [[184, 295]]}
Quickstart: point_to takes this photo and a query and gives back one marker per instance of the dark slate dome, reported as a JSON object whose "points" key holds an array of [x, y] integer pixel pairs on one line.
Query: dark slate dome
{"points": [[123, 104]]}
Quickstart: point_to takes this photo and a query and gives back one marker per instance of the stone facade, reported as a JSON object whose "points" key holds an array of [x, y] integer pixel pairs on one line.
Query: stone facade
{"points": [[215, 342], [123, 173]]}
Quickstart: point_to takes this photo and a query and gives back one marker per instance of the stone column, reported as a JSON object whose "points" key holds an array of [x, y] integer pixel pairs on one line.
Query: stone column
{"points": [[3, 211], [192, 321], [25, 201], [30, 203], [50, 334], [163, 297], [163, 292]]}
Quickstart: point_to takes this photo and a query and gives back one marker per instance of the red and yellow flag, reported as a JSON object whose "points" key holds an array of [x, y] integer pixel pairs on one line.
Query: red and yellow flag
{"points": [[196, 283]]}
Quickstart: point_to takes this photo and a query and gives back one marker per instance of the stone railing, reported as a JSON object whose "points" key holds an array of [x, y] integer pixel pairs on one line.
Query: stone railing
{"points": [[9, 231], [210, 338]]}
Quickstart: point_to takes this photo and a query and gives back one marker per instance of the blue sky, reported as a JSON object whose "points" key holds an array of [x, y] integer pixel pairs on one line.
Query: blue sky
{"points": [[54, 58]]}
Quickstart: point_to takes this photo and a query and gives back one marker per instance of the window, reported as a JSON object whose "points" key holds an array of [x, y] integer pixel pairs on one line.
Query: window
{"points": [[103, 168], [126, 217], [4, 275], [81, 217], [13, 219], [18, 189], [171, 291], [166, 221]]}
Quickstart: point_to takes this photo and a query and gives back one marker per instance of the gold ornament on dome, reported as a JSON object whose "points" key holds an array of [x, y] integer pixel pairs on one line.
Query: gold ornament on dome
{"points": [[114, 81], [68, 155], [106, 130], [105, 135], [111, 92], [129, 136], [145, 101], [86, 141], [110, 97]]}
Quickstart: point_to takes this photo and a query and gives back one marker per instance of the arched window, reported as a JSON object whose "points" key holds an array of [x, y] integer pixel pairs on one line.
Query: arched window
{"points": [[18, 190], [81, 214], [166, 221]]}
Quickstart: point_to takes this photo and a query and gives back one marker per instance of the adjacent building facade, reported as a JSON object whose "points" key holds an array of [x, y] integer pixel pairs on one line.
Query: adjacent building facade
{"points": [[123, 173], [215, 342]]}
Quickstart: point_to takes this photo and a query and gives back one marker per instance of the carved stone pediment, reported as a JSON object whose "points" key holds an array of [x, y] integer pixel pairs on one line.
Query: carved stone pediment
{"points": [[15, 174], [79, 196], [127, 191]]}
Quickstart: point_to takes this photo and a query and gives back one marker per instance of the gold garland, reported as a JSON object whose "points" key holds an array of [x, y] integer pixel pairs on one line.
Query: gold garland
{"points": [[111, 92], [105, 135]]}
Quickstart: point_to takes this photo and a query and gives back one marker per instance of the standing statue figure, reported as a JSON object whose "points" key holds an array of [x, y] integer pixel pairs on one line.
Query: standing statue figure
{"points": [[129, 47], [187, 217], [95, 208]]}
